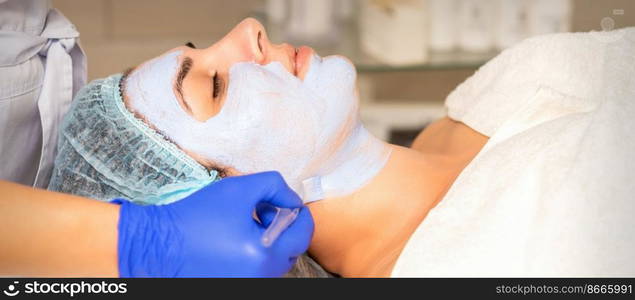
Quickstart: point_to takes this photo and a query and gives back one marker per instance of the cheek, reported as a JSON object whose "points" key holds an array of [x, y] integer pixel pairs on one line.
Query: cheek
{"points": [[290, 122]]}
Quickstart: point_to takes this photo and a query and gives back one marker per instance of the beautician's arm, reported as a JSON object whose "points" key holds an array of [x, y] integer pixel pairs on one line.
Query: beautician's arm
{"points": [[45, 233], [209, 233]]}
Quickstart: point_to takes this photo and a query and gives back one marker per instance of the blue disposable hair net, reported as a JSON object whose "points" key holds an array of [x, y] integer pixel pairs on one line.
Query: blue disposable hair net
{"points": [[105, 152]]}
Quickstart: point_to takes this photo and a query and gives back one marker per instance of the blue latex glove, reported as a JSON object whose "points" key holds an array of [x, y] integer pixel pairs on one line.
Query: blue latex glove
{"points": [[212, 233]]}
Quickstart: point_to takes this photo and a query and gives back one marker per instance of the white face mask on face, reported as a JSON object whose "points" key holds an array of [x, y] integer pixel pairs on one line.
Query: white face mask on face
{"points": [[307, 130]]}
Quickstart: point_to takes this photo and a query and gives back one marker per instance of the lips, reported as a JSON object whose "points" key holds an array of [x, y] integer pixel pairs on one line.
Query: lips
{"points": [[302, 61], [295, 61]]}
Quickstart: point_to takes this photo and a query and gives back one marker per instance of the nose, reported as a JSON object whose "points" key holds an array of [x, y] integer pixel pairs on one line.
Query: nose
{"points": [[263, 50]]}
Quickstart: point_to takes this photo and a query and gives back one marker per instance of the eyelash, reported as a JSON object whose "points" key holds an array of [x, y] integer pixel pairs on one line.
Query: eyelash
{"points": [[216, 84], [259, 44]]}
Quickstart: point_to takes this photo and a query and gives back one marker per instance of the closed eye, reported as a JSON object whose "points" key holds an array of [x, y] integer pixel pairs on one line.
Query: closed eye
{"points": [[259, 41], [216, 86]]}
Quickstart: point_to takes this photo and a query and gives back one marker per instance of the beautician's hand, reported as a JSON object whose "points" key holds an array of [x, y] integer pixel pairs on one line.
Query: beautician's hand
{"points": [[212, 232]]}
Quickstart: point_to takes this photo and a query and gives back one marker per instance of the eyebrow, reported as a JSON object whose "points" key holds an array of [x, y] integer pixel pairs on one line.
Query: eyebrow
{"points": [[184, 69]]}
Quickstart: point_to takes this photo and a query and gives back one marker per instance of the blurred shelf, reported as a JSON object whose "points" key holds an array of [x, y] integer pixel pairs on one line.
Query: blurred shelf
{"points": [[435, 61], [348, 45]]}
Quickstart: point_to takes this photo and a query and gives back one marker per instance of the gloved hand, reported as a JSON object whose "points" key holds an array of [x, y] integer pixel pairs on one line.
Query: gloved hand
{"points": [[212, 233]]}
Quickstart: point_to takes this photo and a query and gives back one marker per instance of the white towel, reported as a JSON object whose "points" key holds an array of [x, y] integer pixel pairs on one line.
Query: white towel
{"points": [[552, 193]]}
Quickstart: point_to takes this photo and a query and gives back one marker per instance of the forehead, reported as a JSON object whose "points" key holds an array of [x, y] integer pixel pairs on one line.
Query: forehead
{"points": [[175, 53]]}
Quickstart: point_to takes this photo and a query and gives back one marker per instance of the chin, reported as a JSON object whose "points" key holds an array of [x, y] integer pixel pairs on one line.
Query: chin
{"points": [[345, 67], [348, 61]]}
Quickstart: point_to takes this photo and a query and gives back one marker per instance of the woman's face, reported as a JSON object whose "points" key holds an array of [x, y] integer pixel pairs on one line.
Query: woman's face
{"points": [[249, 105], [202, 88]]}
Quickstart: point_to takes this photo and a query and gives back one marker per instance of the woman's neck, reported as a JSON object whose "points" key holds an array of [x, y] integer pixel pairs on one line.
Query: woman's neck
{"points": [[364, 233]]}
